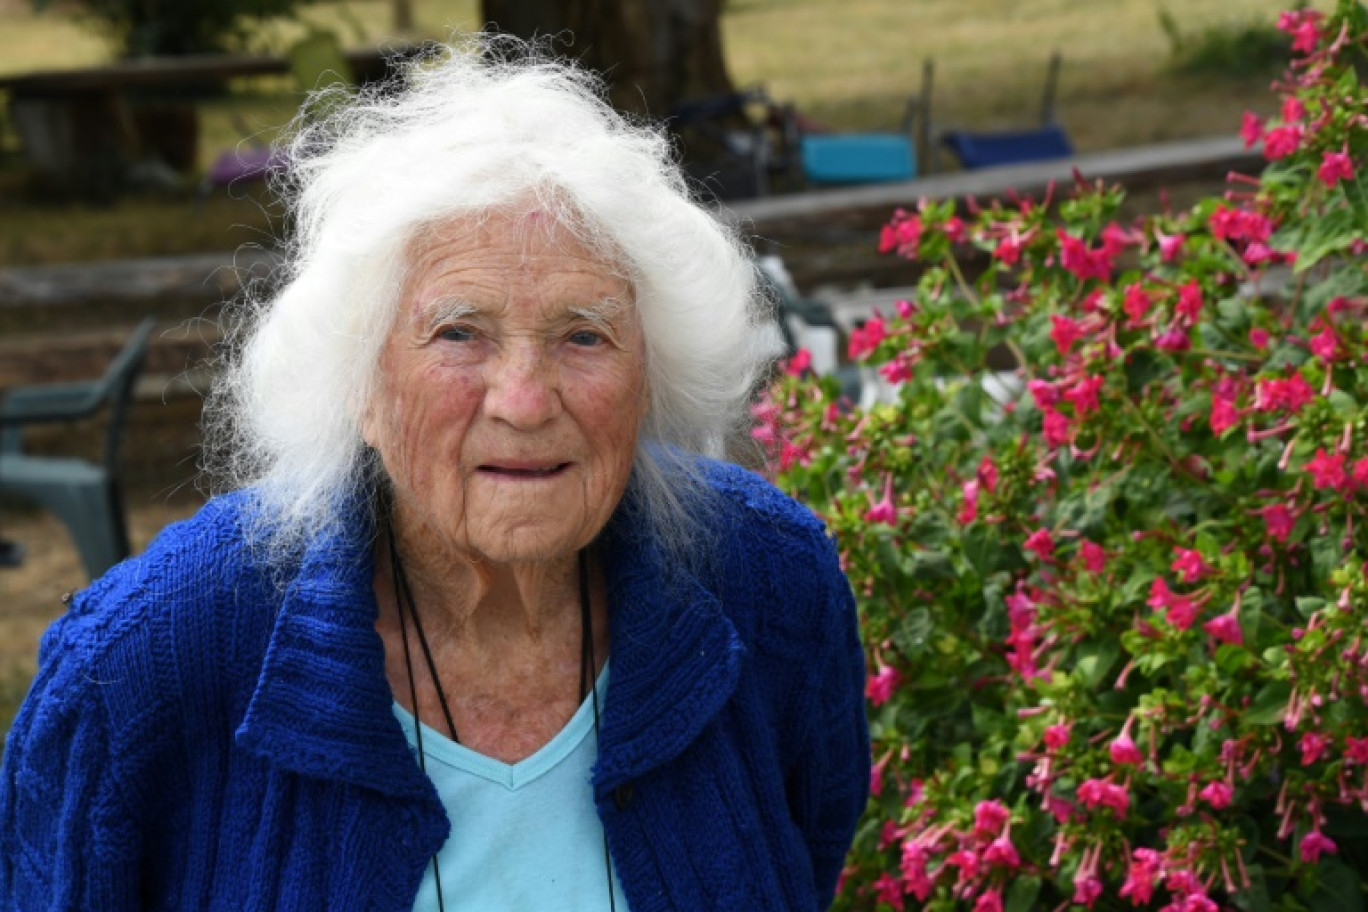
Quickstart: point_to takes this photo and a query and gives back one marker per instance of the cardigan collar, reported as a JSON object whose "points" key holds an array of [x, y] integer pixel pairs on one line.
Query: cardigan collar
{"points": [[322, 705]]}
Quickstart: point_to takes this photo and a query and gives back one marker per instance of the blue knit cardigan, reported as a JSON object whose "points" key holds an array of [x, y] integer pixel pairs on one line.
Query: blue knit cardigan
{"points": [[203, 734]]}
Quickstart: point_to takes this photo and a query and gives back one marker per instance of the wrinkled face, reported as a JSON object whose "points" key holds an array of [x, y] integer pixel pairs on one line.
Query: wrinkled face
{"points": [[511, 388]]}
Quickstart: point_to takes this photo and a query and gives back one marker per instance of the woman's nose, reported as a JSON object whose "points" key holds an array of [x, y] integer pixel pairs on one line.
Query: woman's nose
{"points": [[522, 386]]}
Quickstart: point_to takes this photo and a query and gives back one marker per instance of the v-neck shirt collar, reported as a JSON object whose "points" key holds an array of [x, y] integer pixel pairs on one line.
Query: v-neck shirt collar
{"points": [[438, 748]]}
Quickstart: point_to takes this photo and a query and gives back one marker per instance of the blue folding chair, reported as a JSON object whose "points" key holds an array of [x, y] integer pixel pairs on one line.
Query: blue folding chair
{"points": [[990, 149]]}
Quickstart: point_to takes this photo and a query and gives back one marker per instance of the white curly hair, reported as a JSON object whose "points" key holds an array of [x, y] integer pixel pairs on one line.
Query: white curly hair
{"points": [[466, 130]]}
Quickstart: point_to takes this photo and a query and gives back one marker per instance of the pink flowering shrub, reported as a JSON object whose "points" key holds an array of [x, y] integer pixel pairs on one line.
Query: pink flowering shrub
{"points": [[1109, 541]]}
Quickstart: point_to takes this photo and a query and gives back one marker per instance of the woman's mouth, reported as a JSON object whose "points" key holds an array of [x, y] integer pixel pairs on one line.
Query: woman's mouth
{"points": [[527, 471]]}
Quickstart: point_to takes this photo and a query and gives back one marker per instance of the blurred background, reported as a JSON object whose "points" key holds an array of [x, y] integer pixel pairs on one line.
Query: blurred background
{"points": [[134, 138]]}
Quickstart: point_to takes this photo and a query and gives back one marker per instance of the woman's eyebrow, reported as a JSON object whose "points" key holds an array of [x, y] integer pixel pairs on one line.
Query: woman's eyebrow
{"points": [[444, 310], [603, 313]]}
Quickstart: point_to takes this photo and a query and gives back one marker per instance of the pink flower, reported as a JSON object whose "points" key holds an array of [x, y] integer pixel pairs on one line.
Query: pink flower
{"points": [[903, 234], [1181, 613], [1178, 609], [1140, 877], [1314, 844], [800, 362], [1093, 556], [1356, 749], [1160, 595], [1190, 299], [989, 901], [1360, 473], [1326, 471], [1124, 751], [1312, 745], [880, 686], [913, 868], [1087, 889], [1056, 736], [1002, 852], [889, 889], [1199, 902], [1281, 142], [1217, 794], [1302, 26], [1293, 109], [1056, 428], [1251, 129], [967, 861], [1257, 253], [1325, 345], [1065, 332], [865, 339], [1225, 628], [884, 511], [1173, 340], [1224, 415], [989, 818], [1083, 394], [1335, 167], [1279, 520], [1115, 238], [1289, 395], [1136, 303], [1008, 250], [1170, 245], [1077, 258], [1041, 543], [969, 509], [954, 228], [1258, 338], [1044, 393], [1095, 792], [988, 474], [1189, 565]]}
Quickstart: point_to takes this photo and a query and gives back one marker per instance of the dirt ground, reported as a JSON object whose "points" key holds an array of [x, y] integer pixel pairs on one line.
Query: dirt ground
{"points": [[31, 594]]}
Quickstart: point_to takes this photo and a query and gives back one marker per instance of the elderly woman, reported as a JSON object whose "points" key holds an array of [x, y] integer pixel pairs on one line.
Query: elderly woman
{"points": [[483, 624]]}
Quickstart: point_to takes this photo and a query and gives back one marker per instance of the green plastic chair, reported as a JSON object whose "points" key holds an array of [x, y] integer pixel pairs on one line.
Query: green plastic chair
{"points": [[84, 496]]}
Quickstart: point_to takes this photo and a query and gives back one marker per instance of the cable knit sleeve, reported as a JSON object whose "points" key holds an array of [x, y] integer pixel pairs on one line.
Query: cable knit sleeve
{"points": [[66, 839], [829, 787]]}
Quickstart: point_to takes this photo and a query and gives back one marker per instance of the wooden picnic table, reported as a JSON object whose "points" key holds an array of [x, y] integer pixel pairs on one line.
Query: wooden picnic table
{"points": [[80, 128]]}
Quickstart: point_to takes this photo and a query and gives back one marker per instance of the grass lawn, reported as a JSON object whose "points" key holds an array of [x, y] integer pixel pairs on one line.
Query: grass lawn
{"points": [[851, 64]]}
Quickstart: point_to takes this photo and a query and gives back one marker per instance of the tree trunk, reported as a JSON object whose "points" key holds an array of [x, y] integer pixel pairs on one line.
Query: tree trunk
{"points": [[654, 53]]}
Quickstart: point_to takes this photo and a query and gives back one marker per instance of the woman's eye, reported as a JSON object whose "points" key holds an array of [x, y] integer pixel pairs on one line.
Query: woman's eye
{"points": [[456, 334], [586, 337]]}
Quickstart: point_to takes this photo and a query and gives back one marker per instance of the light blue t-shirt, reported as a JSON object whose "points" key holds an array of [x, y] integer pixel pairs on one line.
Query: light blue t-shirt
{"points": [[525, 836]]}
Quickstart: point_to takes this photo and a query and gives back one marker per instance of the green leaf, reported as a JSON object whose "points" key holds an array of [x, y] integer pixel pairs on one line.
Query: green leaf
{"points": [[1093, 660], [913, 635], [1338, 888], [1233, 659], [1021, 895], [1251, 613], [1329, 232], [1269, 704], [1254, 898], [1309, 605], [981, 549]]}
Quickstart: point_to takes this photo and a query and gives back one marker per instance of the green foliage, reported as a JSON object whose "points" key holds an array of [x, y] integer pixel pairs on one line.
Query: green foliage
{"points": [[1115, 598], [1235, 50], [176, 27]]}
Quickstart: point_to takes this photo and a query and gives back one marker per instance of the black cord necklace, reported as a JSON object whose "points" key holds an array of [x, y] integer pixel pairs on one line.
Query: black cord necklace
{"points": [[588, 680]]}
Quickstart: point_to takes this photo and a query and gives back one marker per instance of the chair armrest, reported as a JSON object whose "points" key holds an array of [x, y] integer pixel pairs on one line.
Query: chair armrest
{"points": [[51, 402]]}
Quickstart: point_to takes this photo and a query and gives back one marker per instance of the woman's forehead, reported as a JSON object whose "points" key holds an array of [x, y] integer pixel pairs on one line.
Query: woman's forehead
{"points": [[469, 263]]}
